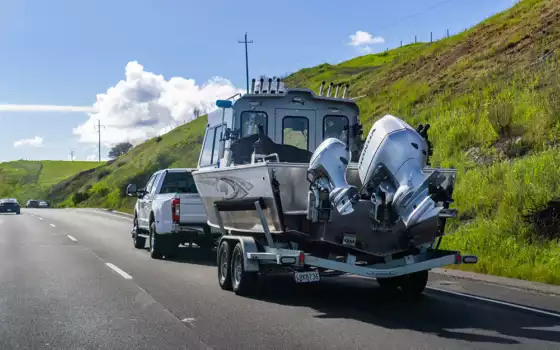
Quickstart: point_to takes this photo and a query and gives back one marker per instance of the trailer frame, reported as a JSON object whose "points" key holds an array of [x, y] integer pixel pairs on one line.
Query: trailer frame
{"points": [[241, 258]]}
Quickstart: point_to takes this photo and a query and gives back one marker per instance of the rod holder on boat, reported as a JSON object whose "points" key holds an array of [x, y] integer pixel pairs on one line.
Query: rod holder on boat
{"points": [[253, 85], [329, 90], [278, 85], [261, 86], [321, 88], [345, 89], [269, 85], [336, 91]]}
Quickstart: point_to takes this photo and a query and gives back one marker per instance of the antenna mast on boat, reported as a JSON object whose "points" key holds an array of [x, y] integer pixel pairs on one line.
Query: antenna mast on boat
{"points": [[246, 58]]}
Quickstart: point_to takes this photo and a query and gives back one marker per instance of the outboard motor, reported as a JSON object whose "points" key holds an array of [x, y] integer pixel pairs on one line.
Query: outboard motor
{"points": [[404, 200], [391, 170], [327, 175]]}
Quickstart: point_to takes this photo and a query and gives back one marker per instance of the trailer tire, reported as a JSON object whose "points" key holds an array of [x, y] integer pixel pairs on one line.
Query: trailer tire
{"points": [[414, 283], [243, 282], [389, 283], [224, 263]]}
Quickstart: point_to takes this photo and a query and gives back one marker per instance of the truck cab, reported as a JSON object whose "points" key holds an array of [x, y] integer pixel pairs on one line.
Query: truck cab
{"points": [[169, 212]]}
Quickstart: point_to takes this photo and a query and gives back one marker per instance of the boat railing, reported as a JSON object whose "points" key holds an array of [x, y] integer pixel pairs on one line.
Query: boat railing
{"points": [[263, 157]]}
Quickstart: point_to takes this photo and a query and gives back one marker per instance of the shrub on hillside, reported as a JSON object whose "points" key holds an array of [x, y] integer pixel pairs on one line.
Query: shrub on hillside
{"points": [[103, 173], [79, 197], [500, 115]]}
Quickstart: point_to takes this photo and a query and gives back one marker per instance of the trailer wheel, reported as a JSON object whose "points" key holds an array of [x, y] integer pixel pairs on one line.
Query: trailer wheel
{"points": [[243, 282], [414, 283], [224, 262], [389, 283]]}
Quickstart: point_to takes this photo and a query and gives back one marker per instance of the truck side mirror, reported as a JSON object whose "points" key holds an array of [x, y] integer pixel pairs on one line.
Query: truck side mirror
{"points": [[131, 190]]}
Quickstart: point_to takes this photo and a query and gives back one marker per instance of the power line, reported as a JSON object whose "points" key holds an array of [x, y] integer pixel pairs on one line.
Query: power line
{"points": [[246, 58]]}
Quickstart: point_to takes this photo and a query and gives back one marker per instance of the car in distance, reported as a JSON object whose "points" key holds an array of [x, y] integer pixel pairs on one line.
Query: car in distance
{"points": [[32, 203], [36, 203], [9, 205]]}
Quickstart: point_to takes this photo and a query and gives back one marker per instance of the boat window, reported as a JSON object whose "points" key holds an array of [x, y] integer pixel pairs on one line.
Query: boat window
{"points": [[217, 139], [178, 182], [207, 148], [250, 121], [336, 126], [295, 131]]}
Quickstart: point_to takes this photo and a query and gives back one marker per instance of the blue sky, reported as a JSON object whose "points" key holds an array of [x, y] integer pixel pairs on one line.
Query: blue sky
{"points": [[65, 53]]}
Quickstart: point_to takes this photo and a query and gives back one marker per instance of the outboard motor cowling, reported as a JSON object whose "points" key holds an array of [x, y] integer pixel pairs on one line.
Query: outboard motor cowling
{"points": [[327, 174]]}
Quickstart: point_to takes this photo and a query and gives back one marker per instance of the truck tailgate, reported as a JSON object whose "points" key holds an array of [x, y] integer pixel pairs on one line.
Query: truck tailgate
{"points": [[192, 209]]}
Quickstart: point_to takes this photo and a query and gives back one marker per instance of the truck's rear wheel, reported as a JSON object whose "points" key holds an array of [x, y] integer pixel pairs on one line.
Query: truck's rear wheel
{"points": [[414, 283], [139, 242], [224, 262], [243, 282], [155, 243]]}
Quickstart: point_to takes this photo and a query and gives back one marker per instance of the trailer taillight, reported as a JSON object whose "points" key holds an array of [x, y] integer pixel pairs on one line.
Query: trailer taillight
{"points": [[175, 209], [301, 258]]}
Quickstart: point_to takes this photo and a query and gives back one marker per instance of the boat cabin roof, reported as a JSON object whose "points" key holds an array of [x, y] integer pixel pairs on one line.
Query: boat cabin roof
{"points": [[294, 117]]}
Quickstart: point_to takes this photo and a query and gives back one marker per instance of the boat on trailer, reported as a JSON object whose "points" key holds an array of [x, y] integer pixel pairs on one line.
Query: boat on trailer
{"points": [[285, 175]]}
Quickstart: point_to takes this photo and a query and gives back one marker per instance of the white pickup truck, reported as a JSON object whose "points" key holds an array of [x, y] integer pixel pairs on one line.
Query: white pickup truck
{"points": [[169, 212]]}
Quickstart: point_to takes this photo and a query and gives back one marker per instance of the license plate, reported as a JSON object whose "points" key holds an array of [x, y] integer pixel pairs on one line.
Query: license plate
{"points": [[349, 240], [307, 277], [9, 209]]}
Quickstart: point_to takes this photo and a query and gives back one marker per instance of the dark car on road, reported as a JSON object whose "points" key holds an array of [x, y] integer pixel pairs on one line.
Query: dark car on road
{"points": [[9, 205], [32, 203]]}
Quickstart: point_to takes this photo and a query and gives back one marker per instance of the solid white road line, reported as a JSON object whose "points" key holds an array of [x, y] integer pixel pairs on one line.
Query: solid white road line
{"points": [[521, 307], [53, 225], [125, 275], [72, 238], [40, 218]]}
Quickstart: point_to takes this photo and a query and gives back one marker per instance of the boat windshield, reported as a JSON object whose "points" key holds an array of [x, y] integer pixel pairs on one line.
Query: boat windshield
{"points": [[250, 121], [336, 126]]}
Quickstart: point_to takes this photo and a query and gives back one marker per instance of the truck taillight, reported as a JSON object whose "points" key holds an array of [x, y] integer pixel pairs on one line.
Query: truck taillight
{"points": [[175, 211]]}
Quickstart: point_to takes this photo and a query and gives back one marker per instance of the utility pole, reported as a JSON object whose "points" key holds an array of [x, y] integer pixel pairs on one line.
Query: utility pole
{"points": [[99, 136], [246, 58], [71, 156]]}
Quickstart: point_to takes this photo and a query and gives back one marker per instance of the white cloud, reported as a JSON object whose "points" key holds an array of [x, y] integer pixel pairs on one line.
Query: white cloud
{"points": [[37, 141], [144, 104], [45, 108], [361, 38], [92, 157]]}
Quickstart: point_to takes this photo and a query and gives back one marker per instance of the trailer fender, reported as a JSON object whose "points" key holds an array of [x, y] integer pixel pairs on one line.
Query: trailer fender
{"points": [[248, 245]]}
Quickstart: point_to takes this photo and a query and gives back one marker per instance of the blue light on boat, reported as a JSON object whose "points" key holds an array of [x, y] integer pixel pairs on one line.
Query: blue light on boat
{"points": [[224, 103]]}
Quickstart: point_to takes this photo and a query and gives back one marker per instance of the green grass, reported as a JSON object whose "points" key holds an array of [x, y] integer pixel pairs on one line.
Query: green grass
{"points": [[26, 180], [105, 186], [493, 104]]}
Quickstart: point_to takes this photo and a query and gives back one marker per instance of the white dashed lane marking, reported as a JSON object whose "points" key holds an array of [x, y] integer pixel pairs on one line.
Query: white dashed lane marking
{"points": [[125, 275], [72, 238]]}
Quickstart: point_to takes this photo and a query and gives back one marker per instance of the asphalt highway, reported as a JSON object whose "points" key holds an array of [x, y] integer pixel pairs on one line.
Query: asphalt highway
{"points": [[71, 279]]}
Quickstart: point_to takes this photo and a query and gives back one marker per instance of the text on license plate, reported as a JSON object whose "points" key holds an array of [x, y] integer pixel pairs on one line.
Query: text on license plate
{"points": [[307, 277]]}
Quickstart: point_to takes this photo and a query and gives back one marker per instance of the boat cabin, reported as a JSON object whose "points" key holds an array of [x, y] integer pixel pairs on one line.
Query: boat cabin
{"points": [[289, 122]]}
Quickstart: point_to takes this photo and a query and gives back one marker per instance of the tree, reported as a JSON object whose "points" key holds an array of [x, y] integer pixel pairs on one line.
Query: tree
{"points": [[196, 113], [119, 149]]}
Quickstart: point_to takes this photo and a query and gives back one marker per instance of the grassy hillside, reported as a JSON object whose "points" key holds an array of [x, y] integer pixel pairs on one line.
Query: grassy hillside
{"points": [[492, 96], [26, 180], [105, 186]]}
